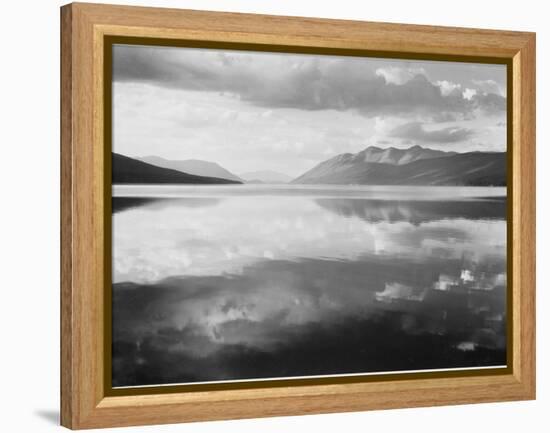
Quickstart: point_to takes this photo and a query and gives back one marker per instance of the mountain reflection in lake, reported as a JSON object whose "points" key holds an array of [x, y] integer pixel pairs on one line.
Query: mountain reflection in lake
{"points": [[245, 282]]}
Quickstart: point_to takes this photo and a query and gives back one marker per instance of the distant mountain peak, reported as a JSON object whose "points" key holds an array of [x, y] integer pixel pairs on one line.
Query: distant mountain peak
{"points": [[374, 149], [392, 155], [197, 167], [393, 149]]}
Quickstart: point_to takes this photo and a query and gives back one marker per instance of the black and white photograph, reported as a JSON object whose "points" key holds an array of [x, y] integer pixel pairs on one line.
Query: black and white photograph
{"points": [[282, 215]]}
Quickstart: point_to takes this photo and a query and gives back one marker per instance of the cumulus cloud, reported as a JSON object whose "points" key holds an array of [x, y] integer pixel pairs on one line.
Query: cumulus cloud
{"points": [[397, 75], [469, 93], [173, 68], [490, 86], [294, 81], [490, 103], [447, 87], [321, 89], [416, 131]]}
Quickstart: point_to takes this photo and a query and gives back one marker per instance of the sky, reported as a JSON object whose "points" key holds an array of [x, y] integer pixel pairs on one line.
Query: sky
{"points": [[250, 111]]}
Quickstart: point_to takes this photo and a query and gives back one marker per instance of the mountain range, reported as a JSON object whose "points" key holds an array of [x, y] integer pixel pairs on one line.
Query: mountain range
{"points": [[129, 170], [200, 167], [372, 166], [394, 156], [192, 166], [413, 166]]}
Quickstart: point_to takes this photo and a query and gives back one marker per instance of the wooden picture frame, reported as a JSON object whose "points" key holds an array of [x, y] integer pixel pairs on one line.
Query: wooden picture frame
{"points": [[85, 213]]}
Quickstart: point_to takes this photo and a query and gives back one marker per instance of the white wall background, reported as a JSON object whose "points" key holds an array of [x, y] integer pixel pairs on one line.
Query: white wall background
{"points": [[29, 221]]}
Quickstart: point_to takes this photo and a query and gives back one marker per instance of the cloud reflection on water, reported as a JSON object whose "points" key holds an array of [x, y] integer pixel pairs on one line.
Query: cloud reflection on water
{"points": [[204, 236], [247, 287]]}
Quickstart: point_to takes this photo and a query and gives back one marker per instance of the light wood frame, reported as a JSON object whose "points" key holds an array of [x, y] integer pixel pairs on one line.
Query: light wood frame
{"points": [[84, 400]]}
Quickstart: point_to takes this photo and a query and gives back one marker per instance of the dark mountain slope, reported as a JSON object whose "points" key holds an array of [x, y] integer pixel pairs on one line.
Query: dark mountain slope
{"points": [[129, 170]]}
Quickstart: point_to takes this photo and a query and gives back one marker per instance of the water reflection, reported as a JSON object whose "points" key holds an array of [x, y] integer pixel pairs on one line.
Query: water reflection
{"points": [[259, 285], [120, 204], [415, 212]]}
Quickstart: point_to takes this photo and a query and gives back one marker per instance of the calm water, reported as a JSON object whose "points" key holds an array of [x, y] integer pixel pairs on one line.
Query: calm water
{"points": [[244, 282]]}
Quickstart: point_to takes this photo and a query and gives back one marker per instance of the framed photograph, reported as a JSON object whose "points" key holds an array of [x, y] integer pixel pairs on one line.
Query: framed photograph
{"points": [[267, 215]]}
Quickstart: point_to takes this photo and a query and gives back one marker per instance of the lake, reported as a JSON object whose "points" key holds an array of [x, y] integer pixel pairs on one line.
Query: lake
{"points": [[240, 282]]}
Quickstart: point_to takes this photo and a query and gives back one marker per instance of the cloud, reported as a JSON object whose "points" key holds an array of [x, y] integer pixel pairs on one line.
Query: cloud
{"points": [[173, 68], [416, 131], [295, 81], [487, 95], [490, 86], [469, 93], [444, 117], [397, 75], [447, 87], [490, 103]]}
